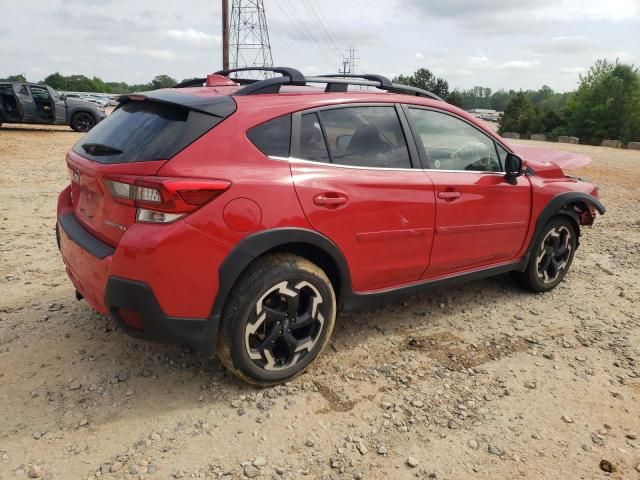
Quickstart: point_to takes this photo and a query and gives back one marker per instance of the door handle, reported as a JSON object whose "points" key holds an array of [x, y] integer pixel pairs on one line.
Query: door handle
{"points": [[449, 196], [330, 200]]}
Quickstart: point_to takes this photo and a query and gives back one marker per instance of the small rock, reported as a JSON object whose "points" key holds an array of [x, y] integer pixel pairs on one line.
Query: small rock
{"points": [[473, 444], [35, 471], [259, 462], [382, 450], [74, 386], [494, 450], [37, 435], [178, 474], [638, 468], [632, 435], [607, 466], [412, 462], [567, 419], [116, 467], [309, 442], [83, 422], [417, 404], [250, 471], [532, 385], [362, 448]]}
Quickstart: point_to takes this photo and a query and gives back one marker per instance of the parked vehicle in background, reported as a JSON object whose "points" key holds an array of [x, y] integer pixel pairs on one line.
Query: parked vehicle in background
{"points": [[241, 216], [41, 104]]}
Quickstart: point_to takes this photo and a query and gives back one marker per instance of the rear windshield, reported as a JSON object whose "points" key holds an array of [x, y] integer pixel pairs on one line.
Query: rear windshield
{"points": [[144, 131]]}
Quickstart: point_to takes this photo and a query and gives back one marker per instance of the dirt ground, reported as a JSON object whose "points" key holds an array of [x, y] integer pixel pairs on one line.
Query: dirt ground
{"points": [[479, 381]]}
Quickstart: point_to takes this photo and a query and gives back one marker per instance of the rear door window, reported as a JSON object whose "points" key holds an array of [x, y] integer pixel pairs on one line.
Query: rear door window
{"points": [[365, 137], [273, 138], [144, 131]]}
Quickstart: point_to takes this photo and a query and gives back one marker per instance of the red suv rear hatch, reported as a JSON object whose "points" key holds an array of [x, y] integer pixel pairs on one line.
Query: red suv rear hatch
{"points": [[110, 166]]}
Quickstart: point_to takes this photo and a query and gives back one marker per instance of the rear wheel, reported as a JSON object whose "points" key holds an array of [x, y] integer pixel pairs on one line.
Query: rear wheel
{"points": [[82, 122], [551, 256], [278, 320]]}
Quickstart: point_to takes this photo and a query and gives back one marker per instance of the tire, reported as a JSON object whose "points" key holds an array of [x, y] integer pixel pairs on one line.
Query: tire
{"points": [[551, 256], [278, 319], [82, 122]]}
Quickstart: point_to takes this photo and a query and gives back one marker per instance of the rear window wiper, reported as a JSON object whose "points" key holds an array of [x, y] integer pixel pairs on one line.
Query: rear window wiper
{"points": [[100, 149]]}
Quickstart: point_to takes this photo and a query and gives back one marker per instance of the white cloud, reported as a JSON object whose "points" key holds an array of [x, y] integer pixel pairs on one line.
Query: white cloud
{"points": [[519, 65], [574, 70], [158, 54], [194, 37], [611, 10], [419, 55], [480, 60]]}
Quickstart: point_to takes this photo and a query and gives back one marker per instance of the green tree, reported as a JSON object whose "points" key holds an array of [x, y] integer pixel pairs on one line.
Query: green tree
{"points": [[456, 98], [162, 81], [520, 115], [57, 81], [14, 78], [423, 78], [606, 103]]}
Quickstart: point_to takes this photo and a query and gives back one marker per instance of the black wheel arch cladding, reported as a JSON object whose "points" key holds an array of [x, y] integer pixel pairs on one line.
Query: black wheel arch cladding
{"points": [[257, 244], [560, 205]]}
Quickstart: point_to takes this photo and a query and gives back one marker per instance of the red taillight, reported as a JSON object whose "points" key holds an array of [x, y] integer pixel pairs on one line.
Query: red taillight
{"points": [[164, 199]]}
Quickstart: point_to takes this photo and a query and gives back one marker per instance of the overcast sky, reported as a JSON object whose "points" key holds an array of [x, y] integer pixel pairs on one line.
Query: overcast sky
{"points": [[493, 43]]}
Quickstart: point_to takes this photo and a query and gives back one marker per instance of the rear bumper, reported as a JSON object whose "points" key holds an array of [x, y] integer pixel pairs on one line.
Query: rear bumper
{"points": [[90, 264], [128, 295]]}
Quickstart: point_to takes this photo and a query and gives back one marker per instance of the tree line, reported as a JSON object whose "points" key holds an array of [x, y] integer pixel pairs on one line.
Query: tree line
{"points": [[82, 83], [606, 104]]}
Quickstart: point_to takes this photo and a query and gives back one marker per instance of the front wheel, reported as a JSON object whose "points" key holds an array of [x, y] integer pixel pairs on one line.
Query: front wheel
{"points": [[82, 122], [278, 320], [551, 256]]}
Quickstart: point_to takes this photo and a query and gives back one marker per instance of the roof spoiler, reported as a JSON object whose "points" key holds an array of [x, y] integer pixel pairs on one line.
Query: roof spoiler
{"points": [[220, 106]]}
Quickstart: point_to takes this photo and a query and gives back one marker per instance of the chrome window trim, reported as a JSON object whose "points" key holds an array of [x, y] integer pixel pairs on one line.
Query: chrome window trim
{"points": [[356, 167]]}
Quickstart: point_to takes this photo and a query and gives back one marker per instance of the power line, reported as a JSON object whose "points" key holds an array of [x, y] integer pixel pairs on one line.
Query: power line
{"points": [[304, 30], [310, 8], [323, 24]]}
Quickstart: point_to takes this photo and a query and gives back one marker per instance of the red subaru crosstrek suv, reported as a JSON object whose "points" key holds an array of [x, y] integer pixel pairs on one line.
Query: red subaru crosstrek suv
{"points": [[240, 216]]}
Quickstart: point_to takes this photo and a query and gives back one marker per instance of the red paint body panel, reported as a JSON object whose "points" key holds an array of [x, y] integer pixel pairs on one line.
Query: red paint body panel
{"points": [[385, 226], [486, 224], [542, 157]]}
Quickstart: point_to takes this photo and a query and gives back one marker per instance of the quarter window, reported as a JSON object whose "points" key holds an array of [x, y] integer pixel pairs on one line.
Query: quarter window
{"points": [[273, 138], [450, 144], [357, 136], [312, 144]]}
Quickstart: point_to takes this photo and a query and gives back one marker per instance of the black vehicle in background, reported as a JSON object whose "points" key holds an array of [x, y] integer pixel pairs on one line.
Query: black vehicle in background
{"points": [[32, 103]]}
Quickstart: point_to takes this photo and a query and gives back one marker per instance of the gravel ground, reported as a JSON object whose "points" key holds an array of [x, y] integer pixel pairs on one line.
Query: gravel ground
{"points": [[480, 381]]}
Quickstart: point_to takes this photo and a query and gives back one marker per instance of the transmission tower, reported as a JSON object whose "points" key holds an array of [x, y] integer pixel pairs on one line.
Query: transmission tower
{"points": [[249, 44], [350, 62]]}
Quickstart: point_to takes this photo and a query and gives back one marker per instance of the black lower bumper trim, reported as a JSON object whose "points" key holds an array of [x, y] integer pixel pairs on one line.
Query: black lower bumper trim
{"points": [[76, 232], [138, 297]]}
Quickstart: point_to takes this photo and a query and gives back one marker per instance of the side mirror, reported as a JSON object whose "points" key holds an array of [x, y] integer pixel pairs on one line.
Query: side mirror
{"points": [[63, 96], [514, 167]]}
